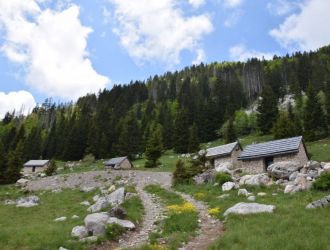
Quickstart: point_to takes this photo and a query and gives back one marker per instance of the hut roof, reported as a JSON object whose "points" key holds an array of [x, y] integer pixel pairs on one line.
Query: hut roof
{"points": [[222, 150], [36, 163], [115, 161]]}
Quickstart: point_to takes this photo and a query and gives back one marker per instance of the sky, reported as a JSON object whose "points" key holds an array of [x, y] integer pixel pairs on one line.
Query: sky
{"points": [[65, 49]]}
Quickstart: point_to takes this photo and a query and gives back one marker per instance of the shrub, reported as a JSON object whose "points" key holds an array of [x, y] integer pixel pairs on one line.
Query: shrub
{"points": [[51, 169], [214, 211], [181, 174], [89, 158], [323, 182], [113, 231], [222, 178]]}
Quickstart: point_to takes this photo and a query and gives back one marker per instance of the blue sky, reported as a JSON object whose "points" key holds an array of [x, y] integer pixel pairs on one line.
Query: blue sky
{"points": [[67, 48]]}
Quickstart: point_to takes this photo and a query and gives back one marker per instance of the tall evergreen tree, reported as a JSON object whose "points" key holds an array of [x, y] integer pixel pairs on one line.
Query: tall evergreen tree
{"points": [[193, 139], [181, 132], [267, 110], [230, 133], [283, 127], [15, 163], [3, 163], [154, 148], [327, 101]]}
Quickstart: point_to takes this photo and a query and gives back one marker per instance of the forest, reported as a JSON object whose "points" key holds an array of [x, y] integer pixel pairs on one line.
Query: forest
{"points": [[176, 110]]}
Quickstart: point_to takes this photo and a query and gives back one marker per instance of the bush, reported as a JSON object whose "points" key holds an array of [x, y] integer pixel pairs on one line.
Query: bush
{"points": [[89, 158], [181, 174], [113, 231], [222, 178], [323, 182], [51, 169]]}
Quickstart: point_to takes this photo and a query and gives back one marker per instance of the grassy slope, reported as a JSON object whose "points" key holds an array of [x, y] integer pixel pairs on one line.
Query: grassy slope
{"points": [[290, 227]]}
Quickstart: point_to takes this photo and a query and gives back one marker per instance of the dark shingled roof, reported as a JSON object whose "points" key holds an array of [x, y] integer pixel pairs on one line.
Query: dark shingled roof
{"points": [[222, 150], [115, 161], [278, 147], [36, 163]]}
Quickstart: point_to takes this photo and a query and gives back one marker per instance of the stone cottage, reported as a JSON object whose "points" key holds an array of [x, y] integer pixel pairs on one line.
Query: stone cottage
{"points": [[35, 166], [256, 158], [119, 163], [224, 153]]}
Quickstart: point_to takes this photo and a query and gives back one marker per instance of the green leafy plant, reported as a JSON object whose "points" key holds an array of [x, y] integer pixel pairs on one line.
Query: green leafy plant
{"points": [[323, 182], [222, 178], [113, 231]]}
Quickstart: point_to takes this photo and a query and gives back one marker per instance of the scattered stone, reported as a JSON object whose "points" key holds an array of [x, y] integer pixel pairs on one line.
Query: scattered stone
{"points": [[60, 219], [249, 208], [112, 188], [62, 248], [312, 165], [129, 195], [243, 192], [299, 184], [85, 203], [223, 196], [116, 197], [22, 182], [57, 190], [227, 186], [74, 217], [29, 201], [326, 167], [9, 202], [118, 212], [313, 173], [89, 239], [206, 177], [124, 223], [95, 223], [251, 198], [292, 176], [87, 189], [100, 204], [262, 194], [224, 168], [274, 194], [325, 201], [283, 169], [254, 180], [96, 197], [79, 232]]}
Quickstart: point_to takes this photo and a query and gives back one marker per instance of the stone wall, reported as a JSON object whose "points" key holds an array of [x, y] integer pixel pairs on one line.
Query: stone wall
{"points": [[253, 166], [231, 158], [28, 170], [300, 157], [125, 164]]}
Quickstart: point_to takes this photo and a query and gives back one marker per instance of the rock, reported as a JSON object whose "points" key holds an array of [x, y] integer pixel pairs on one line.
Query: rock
{"points": [[254, 180], [87, 189], [227, 186], [100, 204], [74, 217], [313, 173], [326, 167], [118, 212], [96, 197], [249, 208], [124, 223], [79, 232], [251, 198], [223, 196], [206, 177], [29, 201], [89, 239], [60, 219], [9, 202], [293, 176], [325, 201], [283, 169], [289, 188], [22, 182], [129, 195], [299, 184], [57, 190], [224, 168], [116, 197], [95, 223], [62, 248], [309, 178], [85, 203], [112, 188], [262, 194], [243, 192], [312, 165]]}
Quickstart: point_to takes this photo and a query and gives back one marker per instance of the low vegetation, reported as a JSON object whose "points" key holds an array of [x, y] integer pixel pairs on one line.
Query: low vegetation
{"points": [[221, 178], [323, 182]]}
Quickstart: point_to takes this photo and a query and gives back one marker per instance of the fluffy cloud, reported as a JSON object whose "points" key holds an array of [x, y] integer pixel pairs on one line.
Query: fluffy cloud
{"points": [[241, 53], [51, 47], [282, 7], [233, 3], [21, 101], [158, 30], [200, 57], [306, 30], [196, 3], [233, 18]]}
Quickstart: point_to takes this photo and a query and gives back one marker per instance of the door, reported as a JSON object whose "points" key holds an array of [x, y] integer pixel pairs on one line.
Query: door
{"points": [[268, 161]]}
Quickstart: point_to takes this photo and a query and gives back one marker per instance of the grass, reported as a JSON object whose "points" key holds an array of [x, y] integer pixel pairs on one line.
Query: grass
{"points": [[34, 228], [291, 226], [320, 150], [134, 209], [180, 223]]}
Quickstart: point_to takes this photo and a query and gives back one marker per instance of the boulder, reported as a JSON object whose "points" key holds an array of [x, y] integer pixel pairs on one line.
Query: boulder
{"points": [[96, 197], [89, 239], [283, 169], [22, 182], [9, 202], [224, 168], [60, 219], [79, 232], [223, 196], [117, 197], [118, 212], [87, 189], [62, 248], [95, 223], [312, 165], [326, 167], [262, 194], [100, 204], [85, 203], [251, 198], [206, 177], [293, 176], [249, 208], [124, 223], [313, 173], [74, 217], [112, 188], [325, 201], [254, 180], [300, 184], [29, 201], [227, 186], [243, 192]]}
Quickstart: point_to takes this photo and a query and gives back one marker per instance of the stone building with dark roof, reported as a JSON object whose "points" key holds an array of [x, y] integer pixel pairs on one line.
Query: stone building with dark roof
{"points": [[119, 163], [224, 153], [256, 158], [33, 166]]}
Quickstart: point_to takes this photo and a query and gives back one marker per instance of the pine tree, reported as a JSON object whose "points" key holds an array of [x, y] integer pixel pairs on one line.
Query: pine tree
{"points": [[327, 101], [230, 134], [267, 110], [314, 120], [15, 163], [3, 163], [154, 148], [283, 127], [193, 139], [181, 132]]}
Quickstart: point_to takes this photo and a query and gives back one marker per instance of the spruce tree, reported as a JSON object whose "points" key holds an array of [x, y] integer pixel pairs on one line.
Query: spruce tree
{"points": [[15, 163], [181, 132], [230, 134], [283, 127], [267, 110], [193, 139], [327, 101], [3, 163], [154, 148]]}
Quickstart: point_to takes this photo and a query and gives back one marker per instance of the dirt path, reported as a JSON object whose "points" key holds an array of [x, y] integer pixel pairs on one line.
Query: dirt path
{"points": [[210, 229]]}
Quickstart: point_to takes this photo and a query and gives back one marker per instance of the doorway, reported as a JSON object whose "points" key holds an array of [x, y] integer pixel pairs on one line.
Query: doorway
{"points": [[268, 161]]}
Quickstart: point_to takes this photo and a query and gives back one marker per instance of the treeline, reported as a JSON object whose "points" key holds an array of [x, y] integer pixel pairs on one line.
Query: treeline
{"points": [[176, 110]]}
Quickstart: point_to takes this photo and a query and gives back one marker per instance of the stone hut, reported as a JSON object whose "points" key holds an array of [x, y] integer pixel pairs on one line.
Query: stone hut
{"points": [[256, 158], [224, 153], [119, 163], [35, 166]]}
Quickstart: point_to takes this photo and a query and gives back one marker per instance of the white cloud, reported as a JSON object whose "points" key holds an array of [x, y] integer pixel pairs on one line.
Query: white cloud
{"points": [[241, 53], [232, 3], [200, 57], [307, 30], [282, 7], [51, 46], [18, 101], [158, 30], [233, 18], [197, 3]]}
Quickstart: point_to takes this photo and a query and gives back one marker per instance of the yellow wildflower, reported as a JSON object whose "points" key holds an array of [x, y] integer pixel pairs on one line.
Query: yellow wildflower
{"points": [[200, 195], [214, 211], [186, 207]]}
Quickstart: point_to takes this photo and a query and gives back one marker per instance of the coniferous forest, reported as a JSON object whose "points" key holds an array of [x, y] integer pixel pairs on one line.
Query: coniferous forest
{"points": [[177, 110]]}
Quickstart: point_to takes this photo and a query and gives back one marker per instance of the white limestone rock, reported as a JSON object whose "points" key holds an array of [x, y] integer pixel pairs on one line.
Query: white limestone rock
{"points": [[249, 208]]}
